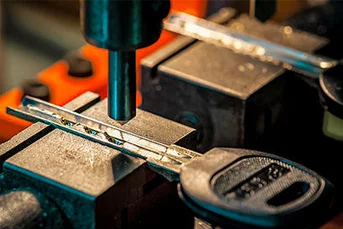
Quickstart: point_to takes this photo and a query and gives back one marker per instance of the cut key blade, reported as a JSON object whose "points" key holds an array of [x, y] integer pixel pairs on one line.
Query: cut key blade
{"points": [[156, 154], [279, 55]]}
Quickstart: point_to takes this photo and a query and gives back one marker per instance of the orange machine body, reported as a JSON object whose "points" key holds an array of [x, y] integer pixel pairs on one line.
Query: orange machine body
{"points": [[64, 88]]}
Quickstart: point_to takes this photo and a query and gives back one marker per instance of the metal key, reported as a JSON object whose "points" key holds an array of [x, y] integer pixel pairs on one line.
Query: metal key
{"points": [[228, 187], [210, 32]]}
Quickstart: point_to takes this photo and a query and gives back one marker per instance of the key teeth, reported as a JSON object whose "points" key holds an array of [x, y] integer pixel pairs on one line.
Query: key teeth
{"points": [[112, 139]]}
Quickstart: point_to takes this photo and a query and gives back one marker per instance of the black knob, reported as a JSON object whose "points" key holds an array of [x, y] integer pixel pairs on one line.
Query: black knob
{"points": [[36, 88], [78, 66]]}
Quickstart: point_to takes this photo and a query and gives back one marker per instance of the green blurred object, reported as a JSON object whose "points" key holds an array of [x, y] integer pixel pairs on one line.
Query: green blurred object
{"points": [[333, 126]]}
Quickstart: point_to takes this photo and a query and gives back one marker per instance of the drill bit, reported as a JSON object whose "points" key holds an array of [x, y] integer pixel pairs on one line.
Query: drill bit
{"points": [[122, 85], [122, 27]]}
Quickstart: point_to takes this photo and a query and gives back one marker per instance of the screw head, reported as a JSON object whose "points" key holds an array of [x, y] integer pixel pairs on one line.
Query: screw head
{"points": [[36, 88], [78, 66]]}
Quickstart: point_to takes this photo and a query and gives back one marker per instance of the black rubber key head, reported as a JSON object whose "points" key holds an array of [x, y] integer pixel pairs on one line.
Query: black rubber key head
{"points": [[247, 189]]}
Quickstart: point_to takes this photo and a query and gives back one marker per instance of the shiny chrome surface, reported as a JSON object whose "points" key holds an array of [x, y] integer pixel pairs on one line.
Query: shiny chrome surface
{"points": [[290, 59]]}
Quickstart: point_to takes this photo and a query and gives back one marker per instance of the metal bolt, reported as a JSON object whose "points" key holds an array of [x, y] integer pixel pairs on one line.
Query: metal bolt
{"points": [[78, 66], [36, 88]]}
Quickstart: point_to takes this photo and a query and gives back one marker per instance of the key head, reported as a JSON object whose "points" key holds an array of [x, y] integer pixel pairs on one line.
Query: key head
{"points": [[242, 188]]}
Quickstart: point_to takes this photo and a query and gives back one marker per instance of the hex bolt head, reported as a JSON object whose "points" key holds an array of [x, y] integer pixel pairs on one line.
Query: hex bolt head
{"points": [[36, 88], [78, 66]]}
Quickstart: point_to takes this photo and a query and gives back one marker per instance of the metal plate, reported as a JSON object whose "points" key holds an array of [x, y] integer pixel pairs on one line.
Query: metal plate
{"points": [[87, 166], [37, 130], [93, 185]]}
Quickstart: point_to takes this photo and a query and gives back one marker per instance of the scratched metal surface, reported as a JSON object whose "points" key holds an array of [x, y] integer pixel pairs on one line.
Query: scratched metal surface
{"points": [[87, 166], [146, 125], [37, 130], [240, 76]]}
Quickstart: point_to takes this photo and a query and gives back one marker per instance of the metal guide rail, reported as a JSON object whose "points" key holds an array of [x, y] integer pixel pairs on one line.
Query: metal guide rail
{"points": [[155, 153], [210, 32]]}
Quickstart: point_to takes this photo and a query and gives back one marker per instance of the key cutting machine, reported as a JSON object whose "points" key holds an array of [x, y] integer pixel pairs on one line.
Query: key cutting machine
{"points": [[54, 178]]}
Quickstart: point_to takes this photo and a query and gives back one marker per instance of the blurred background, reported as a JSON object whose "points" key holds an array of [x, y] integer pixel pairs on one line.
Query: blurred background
{"points": [[35, 34]]}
